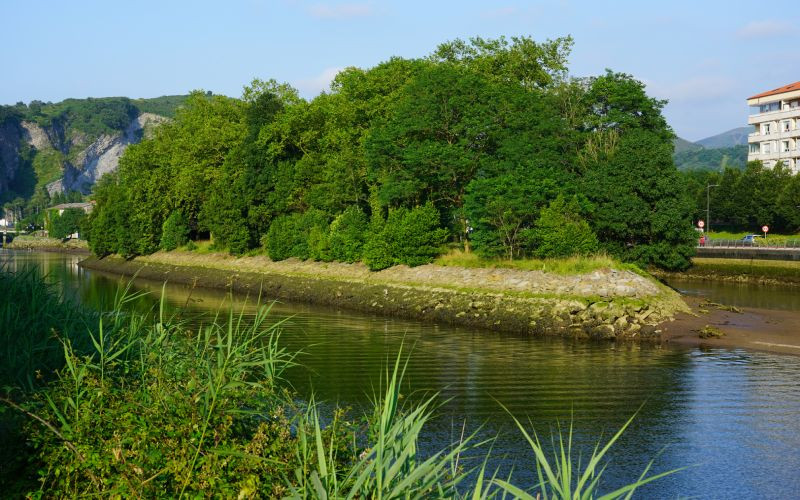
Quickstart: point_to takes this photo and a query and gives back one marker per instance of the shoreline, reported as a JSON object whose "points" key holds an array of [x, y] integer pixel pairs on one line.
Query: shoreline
{"points": [[743, 271], [750, 328], [605, 304], [43, 244]]}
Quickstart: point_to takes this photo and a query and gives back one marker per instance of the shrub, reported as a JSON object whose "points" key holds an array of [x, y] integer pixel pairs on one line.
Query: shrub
{"points": [[288, 235], [412, 237], [319, 243], [560, 231], [347, 235], [174, 231]]}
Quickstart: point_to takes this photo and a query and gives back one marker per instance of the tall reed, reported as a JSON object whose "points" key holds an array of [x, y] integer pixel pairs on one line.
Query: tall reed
{"points": [[143, 406]]}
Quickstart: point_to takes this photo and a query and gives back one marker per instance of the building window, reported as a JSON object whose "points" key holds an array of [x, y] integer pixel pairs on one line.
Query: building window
{"points": [[765, 128], [787, 126], [755, 149], [785, 146], [766, 148]]}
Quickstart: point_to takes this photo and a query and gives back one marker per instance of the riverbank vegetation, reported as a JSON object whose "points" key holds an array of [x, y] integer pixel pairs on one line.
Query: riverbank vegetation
{"points": [[131, 405], [744, 200], [484, 143], [570, 265]]}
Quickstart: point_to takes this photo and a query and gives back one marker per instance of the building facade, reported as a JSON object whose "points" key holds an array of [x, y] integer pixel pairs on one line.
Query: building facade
{"points": [[775, 117]]}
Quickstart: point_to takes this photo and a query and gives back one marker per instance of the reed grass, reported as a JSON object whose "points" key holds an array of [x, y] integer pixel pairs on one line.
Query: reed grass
{"points": [[144, 406]]}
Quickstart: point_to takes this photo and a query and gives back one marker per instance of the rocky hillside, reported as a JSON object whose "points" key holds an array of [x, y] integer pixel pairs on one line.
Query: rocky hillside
{"points": [[68, 146]]}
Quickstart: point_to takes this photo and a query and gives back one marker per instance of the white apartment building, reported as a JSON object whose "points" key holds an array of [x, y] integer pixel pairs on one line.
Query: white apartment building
{"points": [[775, 116]]}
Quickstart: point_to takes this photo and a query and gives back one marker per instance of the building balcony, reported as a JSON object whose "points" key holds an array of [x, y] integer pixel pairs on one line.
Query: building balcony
{"points": [[780, 114], [779, 155], [775, 136]]}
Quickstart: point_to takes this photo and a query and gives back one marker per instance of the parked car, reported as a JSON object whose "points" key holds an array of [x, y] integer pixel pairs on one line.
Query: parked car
{"points": [[749, 239]]}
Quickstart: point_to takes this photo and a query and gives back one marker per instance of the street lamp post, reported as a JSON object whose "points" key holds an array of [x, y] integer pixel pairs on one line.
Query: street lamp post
{"points": [[708, 206]]}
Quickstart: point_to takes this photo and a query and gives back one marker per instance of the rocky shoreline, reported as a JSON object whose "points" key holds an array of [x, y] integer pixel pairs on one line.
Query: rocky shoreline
{"points": [[44, 244], [604, 304]]}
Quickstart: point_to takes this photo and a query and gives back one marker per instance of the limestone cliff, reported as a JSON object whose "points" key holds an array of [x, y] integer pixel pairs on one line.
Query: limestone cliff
{"points": [[102, 155], [69, 159]]}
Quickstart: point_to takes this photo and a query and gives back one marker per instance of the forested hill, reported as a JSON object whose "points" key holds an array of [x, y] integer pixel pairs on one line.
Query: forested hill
{"points": [[728, 149], [485, 145], [47, 148], [711, 159]]}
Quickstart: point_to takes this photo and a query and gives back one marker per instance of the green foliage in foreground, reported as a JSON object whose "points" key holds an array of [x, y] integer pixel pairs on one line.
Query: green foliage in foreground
{"points": [[140, 406]]}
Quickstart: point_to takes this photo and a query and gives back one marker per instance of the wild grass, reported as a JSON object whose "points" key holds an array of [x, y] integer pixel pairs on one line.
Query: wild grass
{"points": [[144, 406], [570, 265]]}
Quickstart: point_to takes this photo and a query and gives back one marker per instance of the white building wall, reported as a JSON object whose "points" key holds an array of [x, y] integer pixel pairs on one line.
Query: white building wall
{"points": [[776, 130]]}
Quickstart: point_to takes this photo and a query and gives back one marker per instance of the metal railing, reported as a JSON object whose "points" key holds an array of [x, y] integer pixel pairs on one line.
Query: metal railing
{"points": [[761, 243]]}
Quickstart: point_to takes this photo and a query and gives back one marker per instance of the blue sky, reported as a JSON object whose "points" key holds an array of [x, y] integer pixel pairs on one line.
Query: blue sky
{"points": [[706, 57]]}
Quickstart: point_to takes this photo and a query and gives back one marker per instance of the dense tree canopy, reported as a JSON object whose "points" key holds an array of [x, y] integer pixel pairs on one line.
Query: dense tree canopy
{"points": [[481, 144], [745, 200]]}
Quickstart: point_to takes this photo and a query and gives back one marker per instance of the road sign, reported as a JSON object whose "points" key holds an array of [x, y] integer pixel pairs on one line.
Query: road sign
{"points": [[765, 228], [701, 224]]}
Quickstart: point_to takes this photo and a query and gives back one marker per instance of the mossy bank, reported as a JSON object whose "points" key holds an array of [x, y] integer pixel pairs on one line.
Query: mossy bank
{"points": [[604, 304]]}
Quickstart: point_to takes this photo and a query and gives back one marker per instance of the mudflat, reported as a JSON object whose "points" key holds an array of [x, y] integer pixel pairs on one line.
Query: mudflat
{"points": [[743, 327]]}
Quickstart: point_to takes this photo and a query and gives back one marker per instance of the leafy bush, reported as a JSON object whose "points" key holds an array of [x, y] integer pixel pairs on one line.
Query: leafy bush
{"points": [[347, 235], [288, 235], [70, 221], [560, 231], [174, 231], [412, 237]]}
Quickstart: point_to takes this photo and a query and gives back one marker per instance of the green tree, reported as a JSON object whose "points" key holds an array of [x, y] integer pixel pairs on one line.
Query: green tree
{"points": [[560, 231], [70, 221], [175, 231]]}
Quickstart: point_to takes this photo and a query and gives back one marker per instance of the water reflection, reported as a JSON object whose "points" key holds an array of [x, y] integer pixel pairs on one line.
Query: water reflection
{"points": [[731, 415]]}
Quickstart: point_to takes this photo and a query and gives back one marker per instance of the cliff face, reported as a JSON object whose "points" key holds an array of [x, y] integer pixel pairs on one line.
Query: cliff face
{"points": [[10, 140], [102, 155], [76, 161]]}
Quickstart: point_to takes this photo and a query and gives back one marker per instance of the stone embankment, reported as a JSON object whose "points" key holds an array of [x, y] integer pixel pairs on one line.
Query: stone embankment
{"points": [[25, 242], [607, 304]]}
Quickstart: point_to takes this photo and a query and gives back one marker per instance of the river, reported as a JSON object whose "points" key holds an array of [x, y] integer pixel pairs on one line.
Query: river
{"points": [[732, 417]]}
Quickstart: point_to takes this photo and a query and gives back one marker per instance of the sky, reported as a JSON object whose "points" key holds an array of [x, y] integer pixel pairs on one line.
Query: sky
{"points": [[705, 56]]}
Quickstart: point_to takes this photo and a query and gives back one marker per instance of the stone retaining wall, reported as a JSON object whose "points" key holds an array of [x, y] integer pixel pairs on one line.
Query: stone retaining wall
{"points": [[496, 305]]}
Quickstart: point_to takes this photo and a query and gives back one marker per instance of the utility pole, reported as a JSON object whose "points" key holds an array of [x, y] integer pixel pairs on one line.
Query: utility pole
{"points": [[708, 206]]}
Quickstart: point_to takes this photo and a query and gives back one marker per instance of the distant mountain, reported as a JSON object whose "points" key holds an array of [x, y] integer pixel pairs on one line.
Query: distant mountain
{"points": [[734, 137], [711, 159], [682, 145]]}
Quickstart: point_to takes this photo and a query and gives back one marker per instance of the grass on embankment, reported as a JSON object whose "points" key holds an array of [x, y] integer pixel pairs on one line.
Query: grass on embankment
{"points": [[565, 266]]}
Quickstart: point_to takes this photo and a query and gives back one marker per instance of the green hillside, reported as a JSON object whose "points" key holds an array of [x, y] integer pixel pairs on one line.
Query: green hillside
{"points": [[733, 137], [712, 159], [682, 145]]}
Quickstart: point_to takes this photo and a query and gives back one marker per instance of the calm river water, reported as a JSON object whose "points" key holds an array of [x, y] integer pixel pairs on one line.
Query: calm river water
{"points": [[732, 417]]}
